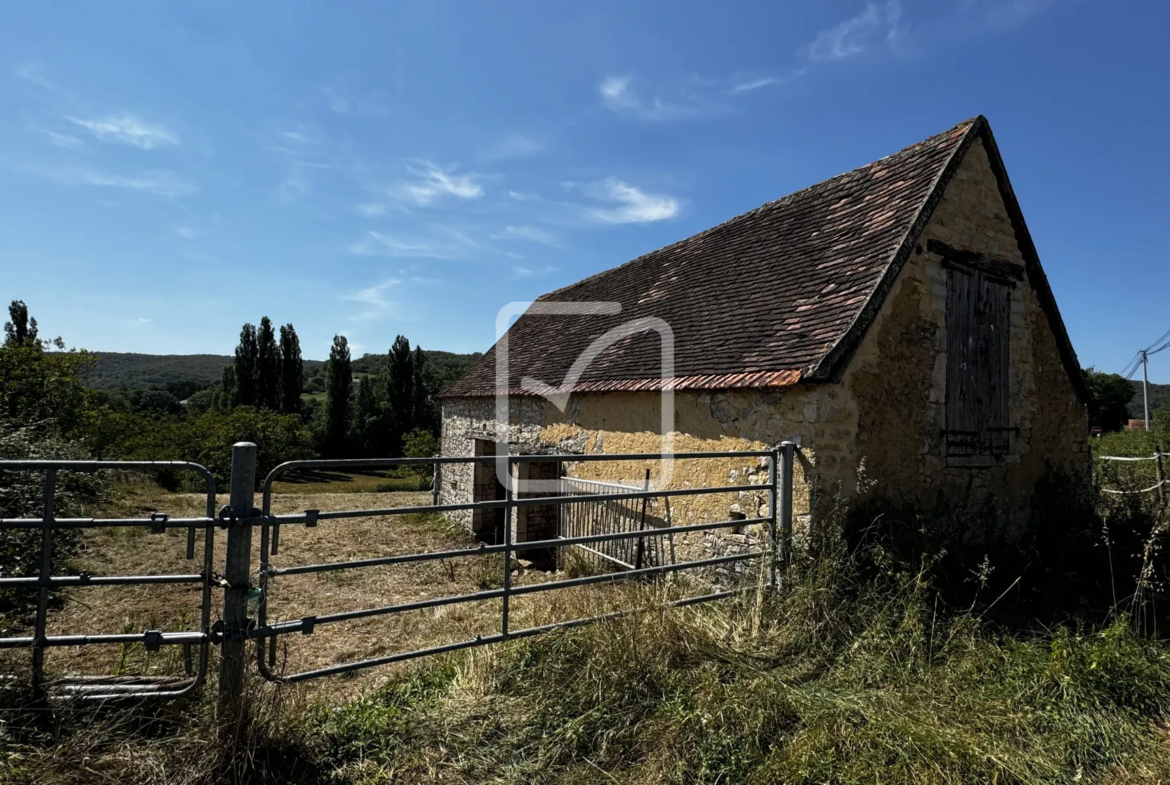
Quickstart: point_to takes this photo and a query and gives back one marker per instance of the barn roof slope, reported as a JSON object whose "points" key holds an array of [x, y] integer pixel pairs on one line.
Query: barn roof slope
{"points": [[777, 295]]}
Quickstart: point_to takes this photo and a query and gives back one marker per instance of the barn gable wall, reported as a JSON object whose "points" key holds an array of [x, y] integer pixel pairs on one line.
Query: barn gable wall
{"points": [[897, 380]]}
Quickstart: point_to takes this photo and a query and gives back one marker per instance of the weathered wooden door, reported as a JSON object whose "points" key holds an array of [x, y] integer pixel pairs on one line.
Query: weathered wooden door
{"points": [[978, 346]]}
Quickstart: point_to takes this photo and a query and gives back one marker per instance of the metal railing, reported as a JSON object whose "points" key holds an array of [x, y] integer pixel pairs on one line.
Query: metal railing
{"points": [[577, 518], [99, 687], [777, 524]]}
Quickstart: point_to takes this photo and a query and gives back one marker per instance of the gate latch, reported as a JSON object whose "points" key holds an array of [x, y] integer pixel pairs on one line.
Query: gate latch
{"points": [[228, 516], [221, 632], [158, 522], [152, 640]]}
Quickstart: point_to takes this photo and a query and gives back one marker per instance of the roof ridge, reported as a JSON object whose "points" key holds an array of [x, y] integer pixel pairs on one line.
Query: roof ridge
{"points": [[966, 125]]}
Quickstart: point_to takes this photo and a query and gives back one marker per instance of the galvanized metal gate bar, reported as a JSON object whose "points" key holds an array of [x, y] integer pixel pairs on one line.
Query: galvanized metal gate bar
{"points": [[45, 581], [270, 527]]}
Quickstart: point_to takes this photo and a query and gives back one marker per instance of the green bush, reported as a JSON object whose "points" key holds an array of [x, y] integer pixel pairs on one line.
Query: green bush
{"points": [[22, 496]]}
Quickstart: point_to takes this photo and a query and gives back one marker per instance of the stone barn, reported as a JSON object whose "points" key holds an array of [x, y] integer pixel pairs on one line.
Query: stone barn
{"points": [[894, 321]]}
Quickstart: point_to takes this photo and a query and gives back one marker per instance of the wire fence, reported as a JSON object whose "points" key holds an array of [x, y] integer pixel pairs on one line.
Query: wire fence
{"points": [[1143, 470]]}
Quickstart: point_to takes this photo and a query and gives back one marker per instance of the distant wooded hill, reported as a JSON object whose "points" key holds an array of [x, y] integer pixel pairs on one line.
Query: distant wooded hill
{"points": [[1159, 397], [183, 374]]}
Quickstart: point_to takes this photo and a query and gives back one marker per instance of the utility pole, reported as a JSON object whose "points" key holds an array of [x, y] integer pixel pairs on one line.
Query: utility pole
{"points": [[1146, 387]]}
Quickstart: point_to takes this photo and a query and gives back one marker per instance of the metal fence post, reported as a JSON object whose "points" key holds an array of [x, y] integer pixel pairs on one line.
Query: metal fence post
{"points": [[38, 661], [773, 516], [1161, 476], [509, 511], [787, 459], [237, 573]]}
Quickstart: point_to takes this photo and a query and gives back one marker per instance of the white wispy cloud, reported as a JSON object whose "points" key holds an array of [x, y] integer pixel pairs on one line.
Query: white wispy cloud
{"points": [[628, 204], [160, 183], [293, 186], [530, 233], [514, 145], [127, 129], [186, 232], [617, 93], [345, 102], [748, 85], [374, 298], [432, 183], [532, 272], [34, 74], [371, 209], [876, 25], [442, 243], [620, 96], [298, 137], [64, 140]]}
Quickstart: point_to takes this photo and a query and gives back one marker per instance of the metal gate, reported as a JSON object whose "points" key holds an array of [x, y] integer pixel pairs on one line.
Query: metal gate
{"points": [[776, 524], [240, 517], [102, 687]]}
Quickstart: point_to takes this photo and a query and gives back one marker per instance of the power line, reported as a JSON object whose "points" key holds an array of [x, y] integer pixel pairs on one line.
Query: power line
{"points": [[1151, 350]]}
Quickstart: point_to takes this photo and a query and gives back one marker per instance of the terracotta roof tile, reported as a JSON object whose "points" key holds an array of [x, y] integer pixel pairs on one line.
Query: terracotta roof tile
{"points": [[757, 300]]}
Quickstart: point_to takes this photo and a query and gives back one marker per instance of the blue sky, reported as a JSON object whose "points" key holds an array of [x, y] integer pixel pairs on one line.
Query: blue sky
{"points": [[172, 170]]}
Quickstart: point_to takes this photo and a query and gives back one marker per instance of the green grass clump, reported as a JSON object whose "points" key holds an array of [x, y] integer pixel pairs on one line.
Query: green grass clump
{"points": [[829, 683]]}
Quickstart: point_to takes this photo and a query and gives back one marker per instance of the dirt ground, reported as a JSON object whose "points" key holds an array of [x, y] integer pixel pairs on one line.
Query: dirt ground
{"points": [[118, 609]]}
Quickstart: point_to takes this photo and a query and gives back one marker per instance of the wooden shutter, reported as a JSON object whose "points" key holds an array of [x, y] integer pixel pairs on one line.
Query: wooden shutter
{"points": [[978, 352]]}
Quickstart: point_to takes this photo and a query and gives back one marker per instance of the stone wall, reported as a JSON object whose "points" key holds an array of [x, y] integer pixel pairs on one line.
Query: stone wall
{"points": [[623, 423]]}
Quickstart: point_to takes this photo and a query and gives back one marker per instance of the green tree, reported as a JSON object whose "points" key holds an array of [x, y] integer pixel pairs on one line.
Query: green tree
{"points": [[247, 359], [1111, 395], [424, 408], [40, 390], [292, 370], [420, 443], [267, 367], [367, 418], [22, 329], [338, 380], [399, 392], [226, 398], [202, 401]]}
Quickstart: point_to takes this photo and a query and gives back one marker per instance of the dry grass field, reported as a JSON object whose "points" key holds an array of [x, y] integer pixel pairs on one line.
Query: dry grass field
{"points": [[175, 607]]}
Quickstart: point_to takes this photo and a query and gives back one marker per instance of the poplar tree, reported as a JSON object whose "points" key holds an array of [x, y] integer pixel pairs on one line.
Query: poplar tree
{"points": [[367, 418], [267, 367], [338, 379], [245, 367], [400, 392], [225, 400], [21, 330], [423, 407], [292, 370]]}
